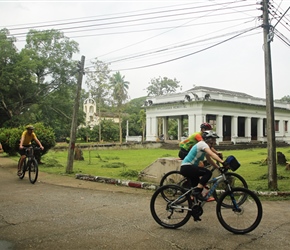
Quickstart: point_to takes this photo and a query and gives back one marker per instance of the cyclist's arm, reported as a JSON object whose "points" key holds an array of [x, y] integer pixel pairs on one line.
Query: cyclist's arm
{"points": [[211, 155], [21, 142], [39, 143]]}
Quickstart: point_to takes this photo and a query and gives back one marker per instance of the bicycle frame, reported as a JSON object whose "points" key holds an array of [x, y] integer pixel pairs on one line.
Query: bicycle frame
{"points": [[30, 164], [215, 181]]}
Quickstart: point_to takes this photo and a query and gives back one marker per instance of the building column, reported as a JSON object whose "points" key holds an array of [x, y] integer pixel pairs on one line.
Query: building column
{"points": [[192, 126], [248, 129], [165, 127], [219, 128], [179, 128], [151, 128], [234, 130]]}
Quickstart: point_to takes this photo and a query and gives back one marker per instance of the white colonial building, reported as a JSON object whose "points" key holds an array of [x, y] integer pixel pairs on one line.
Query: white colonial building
{"points": [[236, 117]]}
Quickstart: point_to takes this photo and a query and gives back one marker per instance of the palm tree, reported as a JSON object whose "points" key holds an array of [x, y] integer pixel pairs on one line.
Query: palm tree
{"points": [[120, 94]]}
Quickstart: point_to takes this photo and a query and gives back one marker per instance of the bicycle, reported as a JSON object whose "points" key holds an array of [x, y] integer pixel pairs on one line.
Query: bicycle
{"points": [[30, 164], [239, 210], [236, 180]]}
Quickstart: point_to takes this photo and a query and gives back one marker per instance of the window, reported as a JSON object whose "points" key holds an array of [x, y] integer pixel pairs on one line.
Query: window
{"points": [[286, 126]]}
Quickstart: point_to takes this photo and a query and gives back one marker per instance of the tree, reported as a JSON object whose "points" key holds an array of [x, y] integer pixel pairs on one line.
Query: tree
{"points": [[132, 108], [286, 98], [142, 121], [162, 86], [42, 68], [97, 81], [120, 94], [15, 80]]}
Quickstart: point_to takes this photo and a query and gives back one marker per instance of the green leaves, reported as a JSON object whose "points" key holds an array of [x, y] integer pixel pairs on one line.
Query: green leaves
{"points": [[162, 86], [37, 83]]}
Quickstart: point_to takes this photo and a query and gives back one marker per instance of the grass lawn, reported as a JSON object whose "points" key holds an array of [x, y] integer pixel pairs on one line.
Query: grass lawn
{"points": [[127, 163]]}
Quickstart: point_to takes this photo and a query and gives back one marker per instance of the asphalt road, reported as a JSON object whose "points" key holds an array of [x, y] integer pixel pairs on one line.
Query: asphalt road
{"points": [[61, 212]]}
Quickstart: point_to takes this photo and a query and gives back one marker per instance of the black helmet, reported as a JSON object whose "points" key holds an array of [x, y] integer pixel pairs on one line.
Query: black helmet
{"points": [[209, 134], [206, 126]]}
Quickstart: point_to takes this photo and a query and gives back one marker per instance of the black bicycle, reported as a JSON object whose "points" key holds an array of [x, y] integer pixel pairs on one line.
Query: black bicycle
{"points": [[238, 210], [30, 164], [234, 179]]}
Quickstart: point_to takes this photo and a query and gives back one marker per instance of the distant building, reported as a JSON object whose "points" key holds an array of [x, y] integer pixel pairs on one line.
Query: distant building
{"points": [[236, 117], [92, 117]]}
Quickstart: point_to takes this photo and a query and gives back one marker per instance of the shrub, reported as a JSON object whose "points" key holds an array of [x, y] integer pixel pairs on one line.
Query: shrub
{"points": [[10, 138]]}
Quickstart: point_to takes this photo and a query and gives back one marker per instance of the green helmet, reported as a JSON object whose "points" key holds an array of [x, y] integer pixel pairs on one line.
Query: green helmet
{"points": [[29, 127]]}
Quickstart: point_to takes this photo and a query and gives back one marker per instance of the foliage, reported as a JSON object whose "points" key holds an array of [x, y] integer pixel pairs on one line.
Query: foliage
{"points": [[43, 76], [109, 131], [15, 80], [97, 81], [142, 122], [129, 173], [286, 98], [172, 125], [84, 133], [162, 86], [119, 87], [10, 138]]}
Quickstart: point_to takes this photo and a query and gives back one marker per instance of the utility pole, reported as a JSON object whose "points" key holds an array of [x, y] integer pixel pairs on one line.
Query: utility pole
{"points": [[271, 141], [70, 158]]}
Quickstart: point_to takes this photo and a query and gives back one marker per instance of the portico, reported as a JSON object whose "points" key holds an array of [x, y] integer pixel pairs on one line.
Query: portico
{"points": [[236, 117]]}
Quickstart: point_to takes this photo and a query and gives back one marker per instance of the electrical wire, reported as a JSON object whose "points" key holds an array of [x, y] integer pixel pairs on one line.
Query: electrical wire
{"points": [[190, 54]]}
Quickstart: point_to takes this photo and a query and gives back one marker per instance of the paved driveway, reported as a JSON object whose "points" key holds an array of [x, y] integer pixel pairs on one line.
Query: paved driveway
{"points": [[64, 213]]}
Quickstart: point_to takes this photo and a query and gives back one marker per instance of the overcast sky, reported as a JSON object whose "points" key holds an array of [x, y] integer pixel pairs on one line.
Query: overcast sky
{"points": [[216, 44]]}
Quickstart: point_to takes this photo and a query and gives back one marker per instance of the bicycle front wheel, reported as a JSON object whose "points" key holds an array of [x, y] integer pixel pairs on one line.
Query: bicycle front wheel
{"points": [[23, 169], [174, 211], [33, 170], [175, 177], [243, 218], [235, 180]]}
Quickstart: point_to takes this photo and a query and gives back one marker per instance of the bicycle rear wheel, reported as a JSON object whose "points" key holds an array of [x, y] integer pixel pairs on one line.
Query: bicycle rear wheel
{"points": [[239, 219], [235, 180], [172, 212], [33, 170], [175, 177]]}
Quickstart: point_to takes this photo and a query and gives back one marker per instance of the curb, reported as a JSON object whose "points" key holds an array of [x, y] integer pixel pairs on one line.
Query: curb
{"points": [[127, 183], [151, 186]]}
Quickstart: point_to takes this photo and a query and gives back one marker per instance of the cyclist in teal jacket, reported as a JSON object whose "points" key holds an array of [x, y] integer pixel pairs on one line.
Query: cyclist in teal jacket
{"points": [[190, 168]]}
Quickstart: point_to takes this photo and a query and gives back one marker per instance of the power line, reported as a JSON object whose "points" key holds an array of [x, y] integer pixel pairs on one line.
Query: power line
{"points": [[190, 54], [55, 23]]}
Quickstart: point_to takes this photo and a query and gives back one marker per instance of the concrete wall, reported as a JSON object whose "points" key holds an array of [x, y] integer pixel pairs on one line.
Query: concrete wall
{"points": [[155, 171]]}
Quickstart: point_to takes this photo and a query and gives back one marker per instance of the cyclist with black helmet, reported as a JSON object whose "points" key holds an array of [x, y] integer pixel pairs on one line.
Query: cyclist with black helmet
{"points": [[190, 168], [189, 142], [27, 136]]}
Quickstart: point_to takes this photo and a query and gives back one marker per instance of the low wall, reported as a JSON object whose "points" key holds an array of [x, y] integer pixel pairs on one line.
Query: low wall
{"points": [[155, 171]]}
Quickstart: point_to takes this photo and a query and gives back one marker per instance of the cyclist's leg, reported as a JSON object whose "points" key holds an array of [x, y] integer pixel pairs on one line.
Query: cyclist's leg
{"points": [[190, 172], [203, 175]]}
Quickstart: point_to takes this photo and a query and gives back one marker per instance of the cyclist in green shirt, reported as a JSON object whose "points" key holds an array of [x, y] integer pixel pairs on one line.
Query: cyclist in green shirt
{"points": [[189, 142]]}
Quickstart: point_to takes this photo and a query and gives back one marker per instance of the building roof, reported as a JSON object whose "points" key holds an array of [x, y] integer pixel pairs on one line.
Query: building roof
{"points": [[218, 91]]}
